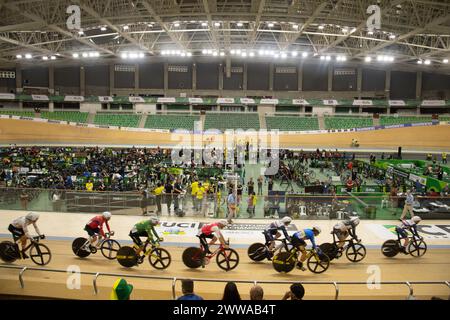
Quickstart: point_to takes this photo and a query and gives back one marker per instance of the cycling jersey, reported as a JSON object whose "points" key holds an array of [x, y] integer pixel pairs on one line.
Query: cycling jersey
{"points": [[407, 225], [209, 229], [275, 226], [344, 227], [305, 234], [23, 223], [145, 227], [97, 223]]}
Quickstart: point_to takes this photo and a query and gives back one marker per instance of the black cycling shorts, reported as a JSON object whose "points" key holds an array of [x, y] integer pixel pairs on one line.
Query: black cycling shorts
{"points": [[136, 237], [296, 242], [269, 235], [401, 232], [16, 232], [92, 232]]}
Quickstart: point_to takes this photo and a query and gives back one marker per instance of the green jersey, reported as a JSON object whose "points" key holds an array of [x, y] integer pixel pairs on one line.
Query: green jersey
{"points": [[148, 227]]}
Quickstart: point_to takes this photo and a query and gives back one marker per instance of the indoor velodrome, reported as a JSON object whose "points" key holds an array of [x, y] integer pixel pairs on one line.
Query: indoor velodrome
{"points": [[255, 148]]}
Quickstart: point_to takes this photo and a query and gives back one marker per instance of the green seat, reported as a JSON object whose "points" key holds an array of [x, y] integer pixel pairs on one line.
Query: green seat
{"points": [[171, 122], [118, 120], [18, 113], [334, 123], [290, 123], [392, 120], [71, 116], [224, 121]]}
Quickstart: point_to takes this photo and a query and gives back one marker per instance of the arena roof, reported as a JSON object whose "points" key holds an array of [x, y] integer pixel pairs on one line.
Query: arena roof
{"points": [[412, 32]]}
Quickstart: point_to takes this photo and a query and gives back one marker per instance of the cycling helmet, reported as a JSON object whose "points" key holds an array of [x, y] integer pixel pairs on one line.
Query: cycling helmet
{"points": [[32, 216], [416, 219], [223, 223], [286, 220], [107, 215], [154, 220], [317, 229], [354, 221]]}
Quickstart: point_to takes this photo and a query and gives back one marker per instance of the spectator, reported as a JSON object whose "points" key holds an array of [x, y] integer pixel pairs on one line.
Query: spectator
{"points": [[187, 287], [89, 186], [260, 185], [231, 292], [121, 290], [168, 190], [444, 157], [251, 205], [270, 185], [408, 205], [296, 292], [24, 200], [177, 190], [158, 193], [199, 197], [144, 204], [231, 204], [250, 186], [349, 185], [256, 293]]}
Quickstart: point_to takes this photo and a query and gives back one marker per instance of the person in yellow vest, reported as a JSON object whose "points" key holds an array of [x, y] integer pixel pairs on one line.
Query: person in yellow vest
{"points": [[194, 188], [429, 157], [444, 157], [158, 192], [199, 197], [89, 186], [121, 290]]}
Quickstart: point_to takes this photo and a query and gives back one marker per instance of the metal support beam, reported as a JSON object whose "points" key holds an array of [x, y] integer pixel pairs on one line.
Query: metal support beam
{"points": [[418, 84], [82, 81], [330, 77]]}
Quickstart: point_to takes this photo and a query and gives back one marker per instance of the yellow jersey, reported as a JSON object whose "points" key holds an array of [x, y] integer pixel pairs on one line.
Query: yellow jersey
{"points": [[157, 191], [194, 188], [89, 186], [200, 192]]}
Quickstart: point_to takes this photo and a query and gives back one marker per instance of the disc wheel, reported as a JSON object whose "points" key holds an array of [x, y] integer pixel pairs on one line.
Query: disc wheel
{"points": [[192, 257], [8, 252], [284, 262], [390, 248], [356, 252], [417, 248], [330, 249], [110, 248], [318, 264], [257, 252], [227, 259], [40, 254], [127, 257], [159, 258], [77, 245]]}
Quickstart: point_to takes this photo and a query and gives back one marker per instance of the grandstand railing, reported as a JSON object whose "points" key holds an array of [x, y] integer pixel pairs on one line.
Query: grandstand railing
{"points": [[174, 280]]}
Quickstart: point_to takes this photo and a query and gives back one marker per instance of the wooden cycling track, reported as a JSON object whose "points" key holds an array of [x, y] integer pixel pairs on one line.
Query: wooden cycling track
{"points": [[419, 138], [433, 266]]}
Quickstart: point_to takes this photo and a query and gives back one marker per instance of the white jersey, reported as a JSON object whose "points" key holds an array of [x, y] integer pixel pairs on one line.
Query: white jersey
{"points": [[407, 224], [23, 223], [342, 226]]}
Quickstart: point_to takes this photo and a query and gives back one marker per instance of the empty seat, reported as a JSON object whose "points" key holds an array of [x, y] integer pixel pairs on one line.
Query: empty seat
{"points": [[224, 121], [118, 120], [333, 123], [287, 123], [71, 116], [180, 121]]}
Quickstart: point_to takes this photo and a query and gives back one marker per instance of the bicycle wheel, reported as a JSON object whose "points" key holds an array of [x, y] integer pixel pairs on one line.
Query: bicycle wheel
{"points": [[40, 254], [417, 248], [318, 264], [330, 249], [257, 252], [8, 252], [127, 257], [390, 248], [284, 262], [192, 257], [77, 247], [159, 258], [356, 252], [110, 248], [227, 259]]}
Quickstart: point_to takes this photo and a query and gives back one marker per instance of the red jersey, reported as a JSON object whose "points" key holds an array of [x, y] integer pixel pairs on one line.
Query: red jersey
{"points": [[97, 223], [210, 228]]}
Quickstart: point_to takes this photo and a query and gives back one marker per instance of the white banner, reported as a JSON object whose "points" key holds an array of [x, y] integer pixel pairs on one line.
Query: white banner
{"points": [[330, 102], [74, 98], [397, 103], [195, 100], [136, 99], [433, 103], [299, 101], [225, 100], [269, 101], [362, 103], [39, 97], [167, 100], [415, 178], [7, 96], [105, 99], [247, 101]]}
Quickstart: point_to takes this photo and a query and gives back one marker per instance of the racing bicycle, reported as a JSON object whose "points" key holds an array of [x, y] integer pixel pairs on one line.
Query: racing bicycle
{"points": [[354, 250], [227, 259], [286, 261], [82, 248], [158, 257], [417, 246], [259, 251], [39, 253]]}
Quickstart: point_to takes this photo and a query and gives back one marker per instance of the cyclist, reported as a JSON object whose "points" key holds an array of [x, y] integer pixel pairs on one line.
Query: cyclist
{"points": [[19, 230], [212, 231], [298, 241], [345, 228], [272, 232], [95, 227], [408, 225], [145, 228]]}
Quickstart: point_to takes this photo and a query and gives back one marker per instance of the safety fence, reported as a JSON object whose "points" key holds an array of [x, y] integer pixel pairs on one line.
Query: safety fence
{"points": [[174, 280]]}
